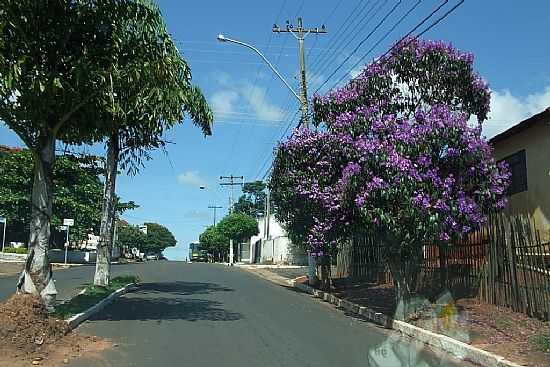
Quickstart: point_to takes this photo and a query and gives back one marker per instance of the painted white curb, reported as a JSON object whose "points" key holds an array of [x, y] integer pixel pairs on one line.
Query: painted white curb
{"points": [[457, 348], [77, 319]]}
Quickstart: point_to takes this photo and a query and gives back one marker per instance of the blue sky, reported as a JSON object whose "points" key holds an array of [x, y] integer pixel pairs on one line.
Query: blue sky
{"points": [[253, 109]]}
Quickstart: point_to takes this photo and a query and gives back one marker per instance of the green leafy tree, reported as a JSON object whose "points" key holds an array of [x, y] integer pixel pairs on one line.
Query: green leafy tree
{"points": [[252, 202], [77, 194], [214, 242], [151, 91], [238, 226], [55, 62], [129, 236], [158, 238]]}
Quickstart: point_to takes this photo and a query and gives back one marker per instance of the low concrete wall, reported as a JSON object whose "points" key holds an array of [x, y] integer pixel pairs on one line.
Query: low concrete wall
{"points": [[5, 257], [73, 257]]}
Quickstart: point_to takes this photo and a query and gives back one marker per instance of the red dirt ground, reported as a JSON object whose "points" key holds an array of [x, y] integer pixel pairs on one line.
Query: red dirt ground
{"points": [[29, 335]]}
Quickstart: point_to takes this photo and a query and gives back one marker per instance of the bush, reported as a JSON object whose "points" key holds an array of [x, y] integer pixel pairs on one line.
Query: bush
{"points": [[13, 250], [541, 342]]}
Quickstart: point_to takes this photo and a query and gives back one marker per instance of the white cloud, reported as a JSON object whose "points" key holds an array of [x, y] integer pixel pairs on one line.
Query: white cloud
{"points": [[223, 102], [191, 178], [256, 99], [243, 100], [508, 110]]}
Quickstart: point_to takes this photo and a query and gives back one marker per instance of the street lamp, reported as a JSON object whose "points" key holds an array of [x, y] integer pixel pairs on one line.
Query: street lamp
{"points": [[223, 38]]}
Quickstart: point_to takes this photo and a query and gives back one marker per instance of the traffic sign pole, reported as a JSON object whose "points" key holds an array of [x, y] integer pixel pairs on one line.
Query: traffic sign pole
{"points": [[67, 223], [4, 236]]}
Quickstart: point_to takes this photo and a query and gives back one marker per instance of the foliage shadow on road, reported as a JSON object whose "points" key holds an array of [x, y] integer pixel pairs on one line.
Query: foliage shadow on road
{"points": [[180, 288], [165, 309], [156, 301]]}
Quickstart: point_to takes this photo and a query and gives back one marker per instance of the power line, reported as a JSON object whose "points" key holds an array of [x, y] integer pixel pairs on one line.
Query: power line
{"points": [[432, 13], [355, 33], [380, 40], [360, 44], [331, 13], [337, 33]]}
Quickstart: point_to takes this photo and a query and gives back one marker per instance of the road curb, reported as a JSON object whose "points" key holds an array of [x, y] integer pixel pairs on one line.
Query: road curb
{"points": [[457, 348], [77, 319]]}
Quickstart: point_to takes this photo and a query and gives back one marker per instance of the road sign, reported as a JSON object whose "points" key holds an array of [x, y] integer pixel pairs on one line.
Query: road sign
{"points": [[68, 222], [2, 220]]}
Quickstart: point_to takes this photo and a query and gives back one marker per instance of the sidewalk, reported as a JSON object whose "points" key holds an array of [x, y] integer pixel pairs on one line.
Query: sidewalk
{"points": [[280, 274]]}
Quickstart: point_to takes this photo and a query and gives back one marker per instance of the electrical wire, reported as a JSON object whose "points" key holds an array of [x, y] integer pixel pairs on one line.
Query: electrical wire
{"points": [[390, 12]]}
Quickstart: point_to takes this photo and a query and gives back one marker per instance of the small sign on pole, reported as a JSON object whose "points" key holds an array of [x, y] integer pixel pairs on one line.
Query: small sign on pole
{"points": [[5, 222], [67, 223]]}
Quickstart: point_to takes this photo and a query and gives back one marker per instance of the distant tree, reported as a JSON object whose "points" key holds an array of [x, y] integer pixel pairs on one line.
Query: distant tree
{"points": [[238, 226], [214, 242], [129, 236], [252, 202], [158, 238]]}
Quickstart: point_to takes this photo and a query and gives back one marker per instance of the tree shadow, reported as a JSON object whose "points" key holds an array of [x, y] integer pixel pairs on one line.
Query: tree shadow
{"points": [[162, 301], [165, 309], [180, 288]]}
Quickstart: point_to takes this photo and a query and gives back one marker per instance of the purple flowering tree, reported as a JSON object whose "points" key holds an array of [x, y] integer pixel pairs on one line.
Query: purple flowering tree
{"points": [[395, 157]]}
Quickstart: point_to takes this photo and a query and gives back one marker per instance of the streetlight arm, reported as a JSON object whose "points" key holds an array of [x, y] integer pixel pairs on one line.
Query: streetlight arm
{"points": [[222, 38]]}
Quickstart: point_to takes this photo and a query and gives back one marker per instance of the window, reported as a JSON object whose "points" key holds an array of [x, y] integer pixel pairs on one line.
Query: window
{"points": [[518, 168]]}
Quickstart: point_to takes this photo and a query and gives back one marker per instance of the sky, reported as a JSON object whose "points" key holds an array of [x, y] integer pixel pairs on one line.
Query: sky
{"points": [[253, 110]]}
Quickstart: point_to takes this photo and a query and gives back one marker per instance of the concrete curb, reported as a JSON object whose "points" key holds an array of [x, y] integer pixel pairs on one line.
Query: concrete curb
{"points": [[457, 348], [77, 319]]}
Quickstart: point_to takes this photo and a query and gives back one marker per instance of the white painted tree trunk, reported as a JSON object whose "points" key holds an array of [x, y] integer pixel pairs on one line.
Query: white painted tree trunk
{"points": [[104, 248], [37, 277]]}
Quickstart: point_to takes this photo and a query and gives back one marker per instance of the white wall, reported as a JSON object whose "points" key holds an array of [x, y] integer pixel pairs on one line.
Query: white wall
{"points": [[276, 247]]}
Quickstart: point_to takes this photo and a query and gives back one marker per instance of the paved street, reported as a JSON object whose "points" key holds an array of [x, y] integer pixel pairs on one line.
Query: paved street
{"points": [[212, 315]]}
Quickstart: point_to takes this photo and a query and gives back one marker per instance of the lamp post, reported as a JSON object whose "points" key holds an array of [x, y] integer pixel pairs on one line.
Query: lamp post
{"points": [[223, 38], [299, 33]]}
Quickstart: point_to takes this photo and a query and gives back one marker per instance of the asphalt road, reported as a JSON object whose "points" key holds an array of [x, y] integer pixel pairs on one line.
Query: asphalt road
{"points": [[212, 315]]}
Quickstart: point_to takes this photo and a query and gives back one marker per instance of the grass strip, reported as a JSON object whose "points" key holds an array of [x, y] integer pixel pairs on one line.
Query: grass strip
{"points": [[91, 296]]}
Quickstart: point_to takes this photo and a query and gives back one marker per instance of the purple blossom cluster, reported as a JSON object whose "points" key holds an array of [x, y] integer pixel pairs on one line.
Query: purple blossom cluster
{"points": [[419, 172]]}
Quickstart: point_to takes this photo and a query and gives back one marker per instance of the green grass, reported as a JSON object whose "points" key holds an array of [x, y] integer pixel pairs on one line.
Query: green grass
{"points": [[92, 295], [13, 250], [503, 322], [541, 342]]}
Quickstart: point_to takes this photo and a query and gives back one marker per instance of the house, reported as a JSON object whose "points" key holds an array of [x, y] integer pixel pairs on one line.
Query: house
{"points": [[526, 149], [272, 245]]}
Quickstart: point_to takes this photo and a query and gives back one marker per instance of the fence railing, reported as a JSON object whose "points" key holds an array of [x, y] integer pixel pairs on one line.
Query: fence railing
{"points": [[505, 263]]}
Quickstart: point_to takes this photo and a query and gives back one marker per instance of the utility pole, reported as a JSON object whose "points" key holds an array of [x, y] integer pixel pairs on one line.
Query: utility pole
{"points": [[214, 207], [300, 34], [232, 181]]}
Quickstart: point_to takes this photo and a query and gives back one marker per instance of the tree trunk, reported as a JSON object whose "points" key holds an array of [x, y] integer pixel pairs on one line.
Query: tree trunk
{"points": [[37, 277], [404, 269], [103, 263], [325, 273]]}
